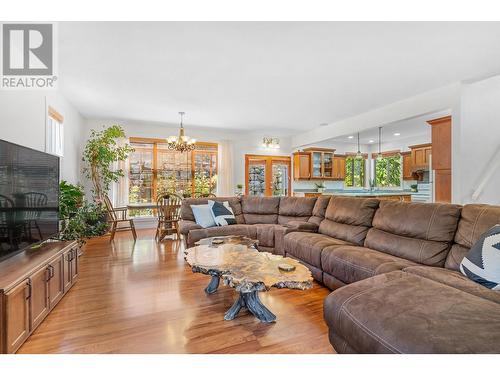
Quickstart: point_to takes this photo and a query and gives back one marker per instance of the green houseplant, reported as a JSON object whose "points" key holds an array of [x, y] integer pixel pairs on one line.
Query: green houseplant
{"points": [[80, 220], [101, 152]]}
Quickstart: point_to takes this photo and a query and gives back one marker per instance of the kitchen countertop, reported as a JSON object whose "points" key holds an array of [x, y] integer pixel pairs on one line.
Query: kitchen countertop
{"points": [[357, 193]]}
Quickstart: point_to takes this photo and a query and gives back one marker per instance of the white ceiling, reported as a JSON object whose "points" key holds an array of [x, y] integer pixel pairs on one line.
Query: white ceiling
{"points": [[288, 77]]}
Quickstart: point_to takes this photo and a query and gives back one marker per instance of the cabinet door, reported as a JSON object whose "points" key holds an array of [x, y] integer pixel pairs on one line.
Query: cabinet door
{"points": [[442, 185], [327, 159], [39, 296], [67, 276], [56, 281], [339, 168], [427, 154], [407, 172], [316, 165], [17, 313], [301, 166]]}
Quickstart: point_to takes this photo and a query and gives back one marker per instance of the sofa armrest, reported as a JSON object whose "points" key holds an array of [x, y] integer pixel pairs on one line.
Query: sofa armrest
{"points": [[291, 226], [187, 225]]}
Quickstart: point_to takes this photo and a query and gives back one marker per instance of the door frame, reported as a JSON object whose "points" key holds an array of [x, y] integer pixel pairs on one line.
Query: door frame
{"points": [[268, 160]]}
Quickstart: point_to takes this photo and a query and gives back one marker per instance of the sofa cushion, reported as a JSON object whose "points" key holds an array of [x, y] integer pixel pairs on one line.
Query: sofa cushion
{"points": [[454, 279], [237, 230], [482, 262], [420, 232], [353, 263], [295, 209], [260, 210], [307, 246], [266, 234], [399, 312], [348, 218], [234, 202], [318, 213], [475, 219]]}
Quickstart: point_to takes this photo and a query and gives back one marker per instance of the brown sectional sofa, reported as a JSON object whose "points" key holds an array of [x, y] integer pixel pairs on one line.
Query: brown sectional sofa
{"points": [[393, 268]]}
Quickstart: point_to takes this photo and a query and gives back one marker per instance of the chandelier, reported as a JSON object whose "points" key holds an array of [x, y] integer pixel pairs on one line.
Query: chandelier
{"points": [[182, 142]]}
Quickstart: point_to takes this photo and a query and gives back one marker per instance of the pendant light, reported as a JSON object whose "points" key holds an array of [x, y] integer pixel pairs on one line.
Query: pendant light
{"points": [[182, 142], [359, 155], [379, 155]]}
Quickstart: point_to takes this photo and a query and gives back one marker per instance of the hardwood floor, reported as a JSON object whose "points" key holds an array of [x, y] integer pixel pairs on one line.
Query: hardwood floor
{"points": [[145, 299]]}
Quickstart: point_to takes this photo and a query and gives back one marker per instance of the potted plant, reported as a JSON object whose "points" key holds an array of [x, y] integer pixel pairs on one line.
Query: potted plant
{"points": [[101, 152], [70, 199], [239, 189], [88, 221], [320, 187], [414, 188]]}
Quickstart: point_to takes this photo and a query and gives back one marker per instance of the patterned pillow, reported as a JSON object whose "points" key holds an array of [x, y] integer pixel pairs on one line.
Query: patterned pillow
{"points": [[482, 262], [222, 213]]}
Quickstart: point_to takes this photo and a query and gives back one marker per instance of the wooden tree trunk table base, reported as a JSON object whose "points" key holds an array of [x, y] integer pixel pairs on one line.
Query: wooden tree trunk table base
{"points": [[252, 302]]}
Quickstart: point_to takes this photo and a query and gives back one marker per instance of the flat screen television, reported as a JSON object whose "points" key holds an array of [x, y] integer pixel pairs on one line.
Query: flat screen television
{"points": [[29, 197]]}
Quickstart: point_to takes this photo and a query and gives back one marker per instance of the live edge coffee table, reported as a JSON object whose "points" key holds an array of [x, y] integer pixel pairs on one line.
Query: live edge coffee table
{"points": [[241, 266]]}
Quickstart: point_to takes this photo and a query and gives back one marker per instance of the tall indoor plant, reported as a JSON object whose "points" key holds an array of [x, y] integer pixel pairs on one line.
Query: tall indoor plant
{"points": [[101, 151]]}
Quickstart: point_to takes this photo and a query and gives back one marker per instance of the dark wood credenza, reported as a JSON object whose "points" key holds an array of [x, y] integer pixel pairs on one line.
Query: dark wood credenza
{"points": [[31, 284]]}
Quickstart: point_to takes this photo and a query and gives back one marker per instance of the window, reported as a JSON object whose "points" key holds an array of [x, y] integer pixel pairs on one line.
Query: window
{"points": [[54, 135], [388, 171], [354, 172], [154, 170]]}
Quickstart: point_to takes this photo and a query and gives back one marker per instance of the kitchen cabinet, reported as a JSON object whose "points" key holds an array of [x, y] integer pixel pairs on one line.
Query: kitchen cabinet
{"points": [[420, 156], [339, 167], [407, 166], [320, 161], [301, 166], [441, 158]]}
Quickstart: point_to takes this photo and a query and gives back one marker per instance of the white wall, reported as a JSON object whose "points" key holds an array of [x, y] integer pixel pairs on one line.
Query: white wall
{"points": [[23, 117], [240, 143], [476, 141]]}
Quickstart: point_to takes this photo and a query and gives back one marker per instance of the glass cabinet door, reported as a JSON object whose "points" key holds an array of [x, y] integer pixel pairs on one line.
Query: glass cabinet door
{"points": [[327, 165], [280, 177], [316, 165], [257, 177]]}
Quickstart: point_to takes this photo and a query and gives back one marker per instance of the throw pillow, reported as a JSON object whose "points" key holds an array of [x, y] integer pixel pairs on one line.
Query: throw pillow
{"points": [[203, 215], [482, 262], [222, 213]]}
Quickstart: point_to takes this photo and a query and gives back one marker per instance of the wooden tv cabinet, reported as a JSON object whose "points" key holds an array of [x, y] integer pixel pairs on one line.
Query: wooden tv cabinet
{"points": [[31, 284]]}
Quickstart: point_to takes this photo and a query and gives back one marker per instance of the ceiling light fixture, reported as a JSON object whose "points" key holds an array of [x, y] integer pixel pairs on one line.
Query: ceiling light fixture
{"points": [[351, 137], [397, 134], [270, 142], [359, 155], [371, 141], [182, 142]]}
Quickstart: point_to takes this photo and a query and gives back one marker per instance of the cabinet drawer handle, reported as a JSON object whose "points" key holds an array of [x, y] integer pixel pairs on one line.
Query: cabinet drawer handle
{"points": [[28, 284]]}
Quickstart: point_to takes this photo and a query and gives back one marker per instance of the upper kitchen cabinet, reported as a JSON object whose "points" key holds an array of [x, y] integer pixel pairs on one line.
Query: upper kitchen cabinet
{"points": [[339, 167], [407, 166], [301, 165], [420, 156], [314, 164]]}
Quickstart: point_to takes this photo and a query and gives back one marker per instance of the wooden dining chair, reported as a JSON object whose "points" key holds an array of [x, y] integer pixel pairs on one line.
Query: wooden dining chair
{"points": [[169, 213], [117, 216]]}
